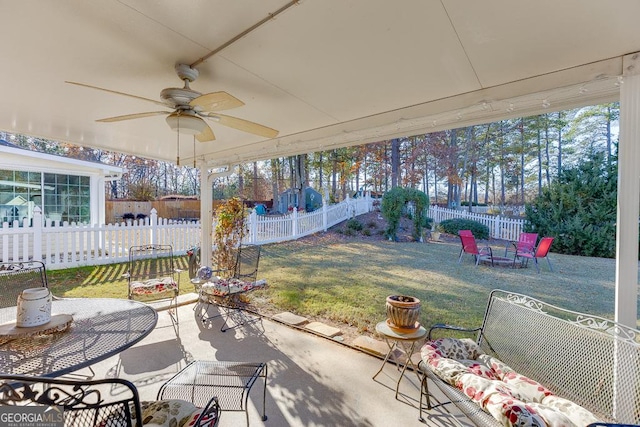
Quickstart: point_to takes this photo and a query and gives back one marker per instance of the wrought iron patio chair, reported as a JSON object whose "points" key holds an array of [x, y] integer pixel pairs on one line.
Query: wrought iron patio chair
{"points": [[469, 246], [228, 288], [541, 251], [18, 276], [152, 276], [526, 243], [92, 403]]}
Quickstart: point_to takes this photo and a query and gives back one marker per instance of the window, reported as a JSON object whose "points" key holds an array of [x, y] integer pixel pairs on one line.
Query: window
{"points": [[67, 197], [20, 193], [61, 197]]}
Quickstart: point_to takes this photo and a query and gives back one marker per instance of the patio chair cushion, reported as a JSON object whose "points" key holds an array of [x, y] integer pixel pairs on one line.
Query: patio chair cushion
{"points": [[172, 413], [224, 287], [163, 413], [153, 287], [511, 398]]}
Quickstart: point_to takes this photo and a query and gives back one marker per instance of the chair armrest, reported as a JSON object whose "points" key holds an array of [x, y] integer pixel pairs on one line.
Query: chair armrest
{"points": [[126, 275], [508, 245], [451, 328]]}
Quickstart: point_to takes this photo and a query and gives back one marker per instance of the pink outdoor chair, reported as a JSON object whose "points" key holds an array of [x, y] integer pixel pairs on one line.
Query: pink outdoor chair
{"points": [[469, 246], [542, 251]]}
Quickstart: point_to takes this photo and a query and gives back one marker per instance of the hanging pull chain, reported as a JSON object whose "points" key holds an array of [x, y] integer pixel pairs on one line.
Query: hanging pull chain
{"points": [[178, 143]]}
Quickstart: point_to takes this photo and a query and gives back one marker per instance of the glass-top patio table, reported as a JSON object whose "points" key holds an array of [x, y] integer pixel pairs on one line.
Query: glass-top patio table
{"points": [[101, 328]]}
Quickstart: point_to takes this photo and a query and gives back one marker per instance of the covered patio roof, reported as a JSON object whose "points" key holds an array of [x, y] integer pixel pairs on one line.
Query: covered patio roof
{"points": [[324, 73]]}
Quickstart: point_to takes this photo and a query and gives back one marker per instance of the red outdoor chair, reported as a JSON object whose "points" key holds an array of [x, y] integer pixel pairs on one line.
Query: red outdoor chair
{"points": [[469, 246], [542, 251], [526, 243]]}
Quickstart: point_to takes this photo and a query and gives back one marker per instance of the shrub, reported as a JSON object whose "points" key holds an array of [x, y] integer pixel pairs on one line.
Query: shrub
{"points": [[366, 232], [229, 231], [452, 226], [372, 224], [392, 203], [579, 210], [354, 224], [350, 232]]}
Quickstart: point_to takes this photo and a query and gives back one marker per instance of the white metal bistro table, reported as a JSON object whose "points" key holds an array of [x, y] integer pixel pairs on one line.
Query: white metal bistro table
{"points": [[101, 328], [403, 341]]}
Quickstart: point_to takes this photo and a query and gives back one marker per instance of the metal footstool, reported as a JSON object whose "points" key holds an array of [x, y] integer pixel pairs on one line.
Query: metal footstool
{"points": [[230, 382]]}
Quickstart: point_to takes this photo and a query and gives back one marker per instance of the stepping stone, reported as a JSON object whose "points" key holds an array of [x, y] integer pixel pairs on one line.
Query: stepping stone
{"points": [[323, 329], [371, 345], [290, 318]]}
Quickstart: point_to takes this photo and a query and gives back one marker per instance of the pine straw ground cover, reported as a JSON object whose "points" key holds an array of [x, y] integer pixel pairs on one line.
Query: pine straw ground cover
{"points": [[344, 280]]}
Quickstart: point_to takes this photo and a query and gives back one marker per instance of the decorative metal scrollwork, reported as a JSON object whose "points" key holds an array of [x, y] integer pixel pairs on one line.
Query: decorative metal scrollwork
{"points": [[75, 396], [526, 301]]}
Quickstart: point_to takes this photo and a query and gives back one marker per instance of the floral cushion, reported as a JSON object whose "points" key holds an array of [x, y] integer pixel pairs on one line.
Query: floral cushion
{"points": [[164, 413], [172, 413], [576, 413], [528, 389], [153, 287], [511, 398], [224, 287]]}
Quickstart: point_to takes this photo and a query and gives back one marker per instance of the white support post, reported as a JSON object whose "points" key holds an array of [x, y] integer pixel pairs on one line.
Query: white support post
{"points": [[206, 215], [626, 291], [626, 311]]}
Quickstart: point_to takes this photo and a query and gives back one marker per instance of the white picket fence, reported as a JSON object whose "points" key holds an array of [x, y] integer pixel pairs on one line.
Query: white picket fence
{"points": [[499, 227], [72, 245]]}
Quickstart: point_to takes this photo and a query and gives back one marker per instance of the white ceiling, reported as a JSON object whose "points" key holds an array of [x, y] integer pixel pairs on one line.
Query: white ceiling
{"points": [[325, 73]]}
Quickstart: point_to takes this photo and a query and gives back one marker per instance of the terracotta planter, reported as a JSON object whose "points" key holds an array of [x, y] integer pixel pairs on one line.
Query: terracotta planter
{"points": [[403, 311]]}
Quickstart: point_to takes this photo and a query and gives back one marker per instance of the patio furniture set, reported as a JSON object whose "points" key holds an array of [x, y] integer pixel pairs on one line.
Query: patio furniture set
{"points": [[76, 333], [523, 250]]}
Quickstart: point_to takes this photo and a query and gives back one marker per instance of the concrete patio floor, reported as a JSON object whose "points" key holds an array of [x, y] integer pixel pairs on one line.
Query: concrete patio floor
{"points": [[312, 380]]}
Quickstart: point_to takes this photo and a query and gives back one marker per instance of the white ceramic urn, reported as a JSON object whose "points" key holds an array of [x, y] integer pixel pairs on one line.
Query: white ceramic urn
{"points": [[34, 307]]}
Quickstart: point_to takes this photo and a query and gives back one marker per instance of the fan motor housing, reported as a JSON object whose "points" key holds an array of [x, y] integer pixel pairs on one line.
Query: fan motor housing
{"points": [[178, 96]]}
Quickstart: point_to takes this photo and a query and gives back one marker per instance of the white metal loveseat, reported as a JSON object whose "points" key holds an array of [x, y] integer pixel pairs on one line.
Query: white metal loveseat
{"points": [[583, 367]]}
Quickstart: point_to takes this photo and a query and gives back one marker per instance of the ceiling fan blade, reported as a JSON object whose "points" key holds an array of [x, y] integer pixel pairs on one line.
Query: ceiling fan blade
{"points": [[117, 93], [206, 135], [132, 116], [216, 101], [243, 125]]}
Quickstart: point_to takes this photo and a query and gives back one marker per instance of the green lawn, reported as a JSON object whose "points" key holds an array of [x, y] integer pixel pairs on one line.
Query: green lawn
{"points": [[348, 282]]}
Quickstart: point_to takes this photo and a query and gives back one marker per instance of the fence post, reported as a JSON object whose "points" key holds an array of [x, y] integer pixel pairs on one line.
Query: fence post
{"points": [[37, 234], [294, 224], [496, 227], [153, 224], [325, 218]]}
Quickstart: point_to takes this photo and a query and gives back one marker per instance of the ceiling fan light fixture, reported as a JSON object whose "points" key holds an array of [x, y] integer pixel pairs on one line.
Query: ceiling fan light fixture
{"points": [[185, 123]]}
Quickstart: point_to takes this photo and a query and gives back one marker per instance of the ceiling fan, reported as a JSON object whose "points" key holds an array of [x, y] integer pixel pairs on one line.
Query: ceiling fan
{"points": [[190, 108]]}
